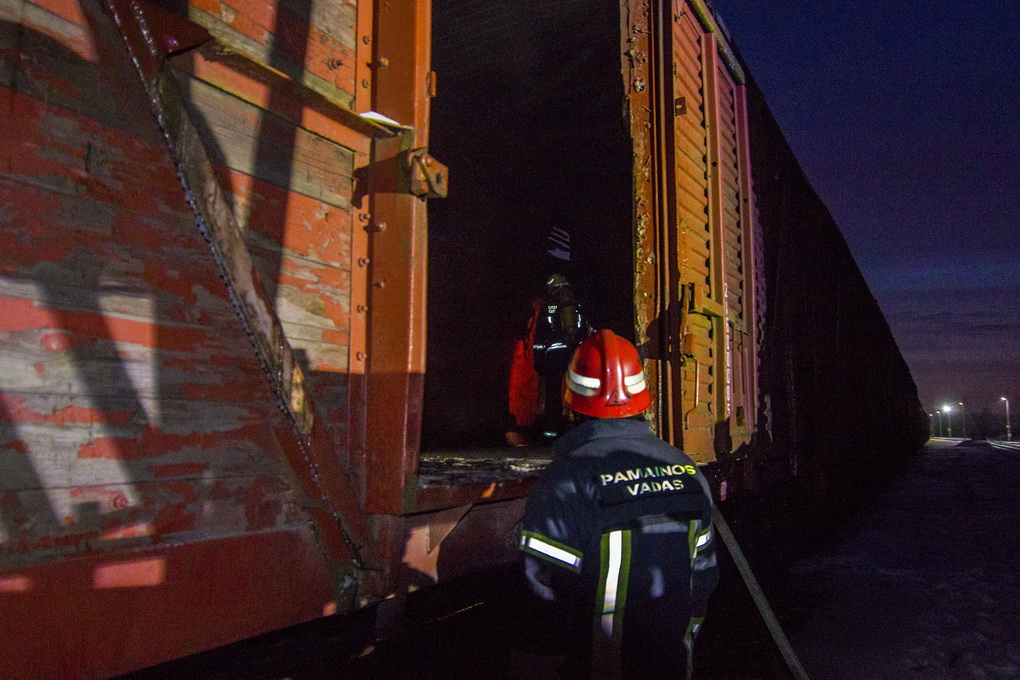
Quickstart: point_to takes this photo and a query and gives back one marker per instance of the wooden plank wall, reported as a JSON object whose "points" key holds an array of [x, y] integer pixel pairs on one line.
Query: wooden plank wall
{"points": [[311, 41], [134, 417], [291, 193], [291, 186]]}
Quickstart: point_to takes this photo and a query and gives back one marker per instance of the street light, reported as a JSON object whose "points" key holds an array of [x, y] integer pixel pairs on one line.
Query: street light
{"points": [[938, 412], [947, 409], [1009, 429], [963, 417]]}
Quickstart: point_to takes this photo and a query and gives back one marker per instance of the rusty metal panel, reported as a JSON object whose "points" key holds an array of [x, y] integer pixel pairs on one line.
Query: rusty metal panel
{"points": [[396, 266], [311, 41], [754, 279], [740, 280], [63, 618], [701, 232], [697, 258], [651, 288], [691, 138]]}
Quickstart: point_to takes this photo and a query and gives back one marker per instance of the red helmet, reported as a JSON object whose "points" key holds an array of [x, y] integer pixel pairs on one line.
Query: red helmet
{"points": [[605, 379]]}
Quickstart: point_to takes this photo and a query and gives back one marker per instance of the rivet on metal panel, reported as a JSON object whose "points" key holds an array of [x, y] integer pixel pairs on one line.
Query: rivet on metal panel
{"points": [[376, 226], [362, 309], [381, 283], [381, 62], [636, 56], [360, 356], [366, 39], [364, 82], [362, 261], [363, 217]]}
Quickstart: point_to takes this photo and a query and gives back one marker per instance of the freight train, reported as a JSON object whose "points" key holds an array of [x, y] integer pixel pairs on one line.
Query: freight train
{"points": [[267, 275]]}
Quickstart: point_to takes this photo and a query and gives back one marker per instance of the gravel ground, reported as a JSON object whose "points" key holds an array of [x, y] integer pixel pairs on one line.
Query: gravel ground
{"points": [[926, 584]]}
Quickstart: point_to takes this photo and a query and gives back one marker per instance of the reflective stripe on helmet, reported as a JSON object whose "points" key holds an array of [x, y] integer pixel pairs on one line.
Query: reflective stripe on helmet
{"points": [[582, 385], [635, 383]]}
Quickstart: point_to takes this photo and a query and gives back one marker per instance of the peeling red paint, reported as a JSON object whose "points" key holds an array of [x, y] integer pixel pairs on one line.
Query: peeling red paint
{"points": [[331, 368], [336, 338], [311, 228], [150, 442], [324, 54], [58, 342], [179, 469], [70, 11], [15, 446], [219, 491], [173, 518], [129, 531], [118, 307], [64, 415]]}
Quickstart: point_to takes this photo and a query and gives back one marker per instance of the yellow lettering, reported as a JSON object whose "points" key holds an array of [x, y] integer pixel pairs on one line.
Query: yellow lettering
{"points": [[606, 479]]}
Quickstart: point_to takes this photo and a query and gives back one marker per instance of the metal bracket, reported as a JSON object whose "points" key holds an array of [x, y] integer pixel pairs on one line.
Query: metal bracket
{"points": [[701, 303], [427, 177]]}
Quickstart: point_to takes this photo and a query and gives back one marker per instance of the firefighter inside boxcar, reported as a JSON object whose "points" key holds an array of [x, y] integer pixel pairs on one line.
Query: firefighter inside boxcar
{"points": [[557, 322], [617, 532], [561, 325]]}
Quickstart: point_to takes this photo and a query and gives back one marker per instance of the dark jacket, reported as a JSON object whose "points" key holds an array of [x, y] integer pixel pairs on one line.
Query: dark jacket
{"points": [[618, 535]]}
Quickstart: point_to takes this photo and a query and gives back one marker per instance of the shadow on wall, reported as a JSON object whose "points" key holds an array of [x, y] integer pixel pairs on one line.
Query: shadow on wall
{"points": [[131, 418]]}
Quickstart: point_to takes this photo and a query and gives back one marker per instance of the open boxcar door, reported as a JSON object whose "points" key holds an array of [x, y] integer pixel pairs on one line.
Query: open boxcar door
{"points": [[695, 290]]}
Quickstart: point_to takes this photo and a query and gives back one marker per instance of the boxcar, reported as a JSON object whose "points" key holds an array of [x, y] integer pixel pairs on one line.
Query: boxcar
{"points": [[267, 269]]}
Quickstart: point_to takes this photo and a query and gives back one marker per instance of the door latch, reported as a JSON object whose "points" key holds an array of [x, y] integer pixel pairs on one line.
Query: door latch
{"points": [[427, 177]]}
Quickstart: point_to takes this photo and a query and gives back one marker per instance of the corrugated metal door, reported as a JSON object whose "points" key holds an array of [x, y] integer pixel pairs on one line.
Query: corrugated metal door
{"points": [[699, 181], [695, 232]]}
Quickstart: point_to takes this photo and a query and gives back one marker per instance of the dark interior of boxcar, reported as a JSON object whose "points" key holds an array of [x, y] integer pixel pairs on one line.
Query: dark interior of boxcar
{"points": [[528, 117]]}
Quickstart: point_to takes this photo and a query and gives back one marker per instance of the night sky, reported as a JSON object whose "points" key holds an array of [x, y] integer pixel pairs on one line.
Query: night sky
{"points": [[906, 118]]}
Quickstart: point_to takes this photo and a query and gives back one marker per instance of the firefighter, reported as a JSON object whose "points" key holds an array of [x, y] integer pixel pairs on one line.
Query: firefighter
{"points": [[617, 532], [560, 326]]}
